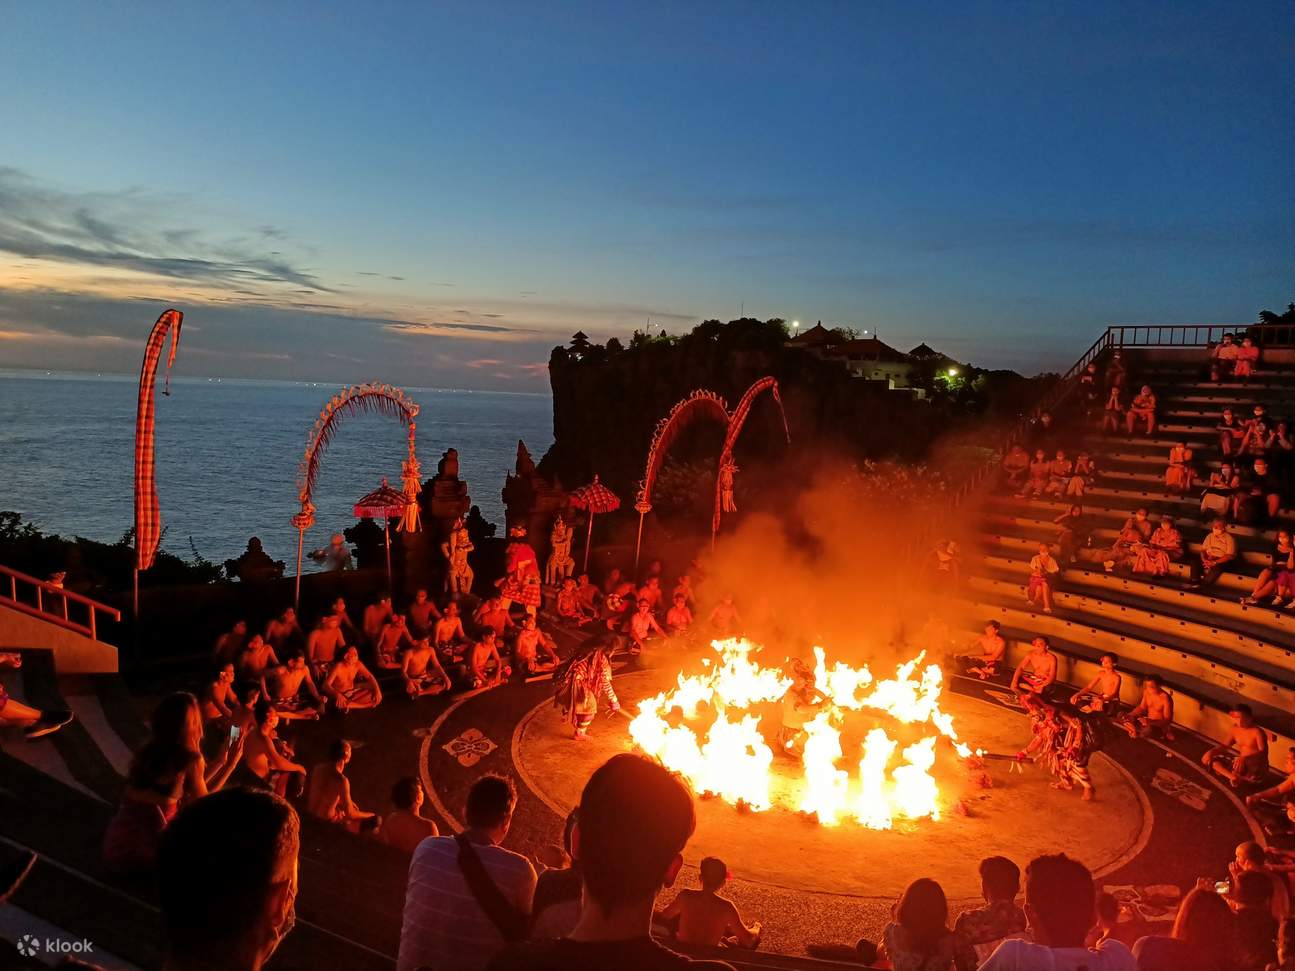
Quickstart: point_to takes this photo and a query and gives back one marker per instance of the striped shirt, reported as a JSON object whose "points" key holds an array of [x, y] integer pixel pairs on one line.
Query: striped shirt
{"points": [[443, 925]]}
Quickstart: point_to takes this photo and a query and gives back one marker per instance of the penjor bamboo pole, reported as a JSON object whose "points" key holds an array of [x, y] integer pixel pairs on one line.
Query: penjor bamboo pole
{"points": [[638, 543], [589, 538], [296, 592]]}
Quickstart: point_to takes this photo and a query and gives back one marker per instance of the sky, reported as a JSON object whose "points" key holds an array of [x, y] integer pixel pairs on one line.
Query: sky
{"points": [[436, 194]]}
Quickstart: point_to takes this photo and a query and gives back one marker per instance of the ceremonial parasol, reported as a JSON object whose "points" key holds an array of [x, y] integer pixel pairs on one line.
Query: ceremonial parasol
{"points": [[386, 503], [596, 498]]}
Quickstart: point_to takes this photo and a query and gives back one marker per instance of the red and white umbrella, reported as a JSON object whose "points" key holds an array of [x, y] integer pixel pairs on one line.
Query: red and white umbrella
{"points": [[383, 503], [596, 498]]}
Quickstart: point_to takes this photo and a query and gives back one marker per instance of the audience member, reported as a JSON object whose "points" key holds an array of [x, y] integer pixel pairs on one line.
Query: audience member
{"points": [[1142, 408], [405, 827], [706, 919], [227, 881], [1276, 578], [918, 938], [328, 793], [1218, 549], [1043, 572], [1256, 928], [1201, 939], [1253, 858], [984, 928], [467, 896], [557, 892]]}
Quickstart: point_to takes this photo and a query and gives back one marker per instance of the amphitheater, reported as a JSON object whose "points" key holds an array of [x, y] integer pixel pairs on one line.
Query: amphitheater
{"points": [[57, 794]]}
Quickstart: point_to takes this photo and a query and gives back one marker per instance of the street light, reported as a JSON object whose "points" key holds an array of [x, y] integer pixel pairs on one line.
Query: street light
{"points": [[953, 372]]}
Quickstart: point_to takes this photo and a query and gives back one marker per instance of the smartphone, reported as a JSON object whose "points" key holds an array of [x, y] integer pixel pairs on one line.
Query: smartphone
{"points": [[1223, 886], [234, 731]]}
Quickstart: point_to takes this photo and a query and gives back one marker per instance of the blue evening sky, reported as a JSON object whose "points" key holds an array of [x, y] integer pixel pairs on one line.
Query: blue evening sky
{"points": [[437, 193]]}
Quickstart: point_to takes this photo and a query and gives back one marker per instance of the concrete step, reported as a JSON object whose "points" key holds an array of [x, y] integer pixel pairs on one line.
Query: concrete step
{"points": [[1225, 669]]}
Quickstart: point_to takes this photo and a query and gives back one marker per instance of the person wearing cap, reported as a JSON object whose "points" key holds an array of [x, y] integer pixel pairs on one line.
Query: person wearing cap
{"points": [[706, 919]]}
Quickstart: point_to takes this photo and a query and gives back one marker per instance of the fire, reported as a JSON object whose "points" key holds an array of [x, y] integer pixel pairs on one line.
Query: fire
{"points": [[705, 729]]}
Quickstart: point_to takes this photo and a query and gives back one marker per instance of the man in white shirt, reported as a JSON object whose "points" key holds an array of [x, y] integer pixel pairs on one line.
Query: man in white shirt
{"points": [[1218, 549], [446, 926], [1061, 905]]}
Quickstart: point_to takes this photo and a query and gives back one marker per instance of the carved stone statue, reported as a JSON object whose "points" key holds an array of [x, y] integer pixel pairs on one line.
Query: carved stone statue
{"points": [[560, 564], [726, 473], [448, 466], [455, 549]]}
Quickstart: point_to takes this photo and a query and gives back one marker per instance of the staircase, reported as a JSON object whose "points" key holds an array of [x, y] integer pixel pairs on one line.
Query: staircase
{"points": [[1208, 648]]}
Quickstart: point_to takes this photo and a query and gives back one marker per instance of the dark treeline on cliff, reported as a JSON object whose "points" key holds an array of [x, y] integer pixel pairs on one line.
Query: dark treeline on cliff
{"points": [[607, 399]]}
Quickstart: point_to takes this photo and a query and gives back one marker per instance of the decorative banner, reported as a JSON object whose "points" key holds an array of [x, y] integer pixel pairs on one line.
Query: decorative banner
{"points": [[735, 423], [700, 404], [148, 515]]}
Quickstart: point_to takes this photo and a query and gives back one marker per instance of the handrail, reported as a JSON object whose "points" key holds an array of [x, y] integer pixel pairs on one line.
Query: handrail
{"points": [[56, 594]]}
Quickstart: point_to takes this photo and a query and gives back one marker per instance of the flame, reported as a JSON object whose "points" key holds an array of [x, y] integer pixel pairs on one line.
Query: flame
{"points": [[727, 754]]}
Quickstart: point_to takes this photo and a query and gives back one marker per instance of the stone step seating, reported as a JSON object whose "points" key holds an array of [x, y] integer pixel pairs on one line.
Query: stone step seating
{"points": [[1217, 397], [1185, 509], [1225, 670], [1258, 650], [1198, 706], [1209, 607]]}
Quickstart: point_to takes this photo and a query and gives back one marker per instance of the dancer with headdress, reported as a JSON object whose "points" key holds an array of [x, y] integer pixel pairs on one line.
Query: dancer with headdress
{"points": [[582, 680]]}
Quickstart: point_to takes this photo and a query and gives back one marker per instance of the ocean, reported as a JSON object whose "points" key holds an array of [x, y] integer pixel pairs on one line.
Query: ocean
{"points": [[228, 452]]}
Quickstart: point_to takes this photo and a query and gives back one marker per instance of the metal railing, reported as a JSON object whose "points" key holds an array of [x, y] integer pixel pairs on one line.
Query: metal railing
{"points": [[52, 603]]}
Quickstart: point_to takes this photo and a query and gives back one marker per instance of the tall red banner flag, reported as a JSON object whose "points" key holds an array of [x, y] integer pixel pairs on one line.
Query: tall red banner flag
{"points": [[148, 517]]}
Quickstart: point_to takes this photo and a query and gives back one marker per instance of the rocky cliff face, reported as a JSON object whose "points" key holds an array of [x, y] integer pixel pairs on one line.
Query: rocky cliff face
{"points": [[605, 404]]}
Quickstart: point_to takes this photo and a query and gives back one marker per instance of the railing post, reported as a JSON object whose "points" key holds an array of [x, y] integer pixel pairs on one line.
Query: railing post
{"points": [[40, 604], [94, 636]]}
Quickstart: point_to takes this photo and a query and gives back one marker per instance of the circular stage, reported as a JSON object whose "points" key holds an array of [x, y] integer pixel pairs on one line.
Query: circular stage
{"points": [[1021, 816]]}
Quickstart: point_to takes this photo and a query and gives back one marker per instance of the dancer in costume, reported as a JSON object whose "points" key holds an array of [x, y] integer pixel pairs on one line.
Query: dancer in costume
{"points": [[582, 680]]}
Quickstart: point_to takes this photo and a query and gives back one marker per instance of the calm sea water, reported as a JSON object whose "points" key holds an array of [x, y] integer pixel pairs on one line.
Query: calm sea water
{"points": [[228, 452]]}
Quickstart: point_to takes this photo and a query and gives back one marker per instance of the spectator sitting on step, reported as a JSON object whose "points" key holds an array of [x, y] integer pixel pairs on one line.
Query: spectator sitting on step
{"points": [[1060, 471], [1084, 473], [375, 618], [557, 892], [1180, 474], [1258, 433], [1223, 359], [1216, 497], [421, 671], [422, 614], [918, 937], [1256, 928], [328, 794], [622, 877], [1164, 547], [1061, 904], [405, 827], [1037, 480], [1142, 408], [570, 606], [291, 689], [1276, 578], [1230, 431], [34, 722], [256, 658], [350, 685], [707, 919], [227, 880], [284, 629], [1247, 358], [219, 701], [1252, 858], [168, 770], [467, 896], [493, 614], [1265, 490], [1123, 553], [1250, 763], [1073, 534], [679, 617], [1102, 694], [945, 566], [267, 759], [984, 928], [1113, 412], [531, 644], [1218, 549], [1016, 466], [230, 644], [1043, 574], [393, 638], [1201, 939], [1153, 717]]}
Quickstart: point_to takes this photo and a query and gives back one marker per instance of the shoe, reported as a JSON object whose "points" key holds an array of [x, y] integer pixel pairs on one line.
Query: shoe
{"points": [[48, 723], [1276, 602]]}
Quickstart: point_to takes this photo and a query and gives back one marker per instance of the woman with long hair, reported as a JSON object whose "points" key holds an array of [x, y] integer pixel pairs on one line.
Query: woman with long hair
{"points": [[1201, 939], [918, 938], [167, 771]]}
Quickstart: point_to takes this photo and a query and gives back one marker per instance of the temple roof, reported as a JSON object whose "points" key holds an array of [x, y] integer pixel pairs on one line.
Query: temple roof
{"points": [[868, 349], [816, 336]]}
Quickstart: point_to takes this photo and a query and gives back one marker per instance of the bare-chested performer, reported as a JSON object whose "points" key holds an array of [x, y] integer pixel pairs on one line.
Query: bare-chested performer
{"points": [[570, 606], [328, 796], [679, 617], [448, 635], [348, 628], [393, 638], [1283, 789], [291, 689], [991, 647], [376, 615], [589, 594], [280, 630], [531, 643], [1037, 671], [485, 667], [219, 702], [257, 657], [421, 671], [724, 619], [494, 614], [230, 643], [1250, 763], [1154, 714], [422, 614], [642, 625], [651, 592], [684, 586], [405, 827], [324, 645], [1102, 694], [707, 919], [351, 685], [264, 755]]}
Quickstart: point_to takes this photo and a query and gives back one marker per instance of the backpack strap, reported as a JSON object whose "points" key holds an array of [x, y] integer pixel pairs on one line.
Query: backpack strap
{"points": [[512, 924]]}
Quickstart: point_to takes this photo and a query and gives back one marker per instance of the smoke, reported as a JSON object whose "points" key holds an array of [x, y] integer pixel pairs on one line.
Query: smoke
{"points": [[846, 562]]}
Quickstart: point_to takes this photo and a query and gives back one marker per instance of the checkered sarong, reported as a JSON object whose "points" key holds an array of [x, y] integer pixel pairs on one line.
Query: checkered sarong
{"points": [[148, 517]]}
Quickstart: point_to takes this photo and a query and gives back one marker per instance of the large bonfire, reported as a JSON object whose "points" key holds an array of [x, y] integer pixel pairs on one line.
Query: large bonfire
{"points": [[708, 729]]}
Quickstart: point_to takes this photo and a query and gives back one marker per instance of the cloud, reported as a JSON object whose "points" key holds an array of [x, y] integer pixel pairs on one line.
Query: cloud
{"points": [[437, 327], [119, 231]]}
